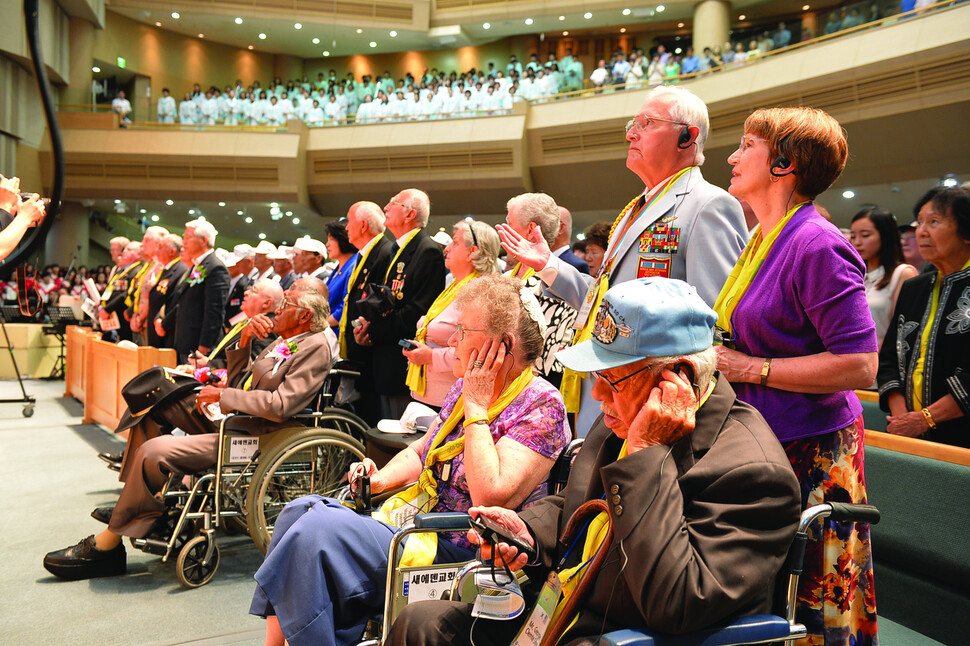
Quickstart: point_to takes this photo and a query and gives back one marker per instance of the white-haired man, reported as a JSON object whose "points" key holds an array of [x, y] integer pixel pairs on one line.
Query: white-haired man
{"points": [[114, 296], [239, 283], [200, 301], [145, 281], [699, 493], [679, 227], [416, 276], [161, 296]]}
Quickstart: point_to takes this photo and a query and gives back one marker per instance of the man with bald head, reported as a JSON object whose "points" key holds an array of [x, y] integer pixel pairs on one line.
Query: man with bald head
{"points": [[416, 276], [113, 298], [560, 247], [365, 230]]}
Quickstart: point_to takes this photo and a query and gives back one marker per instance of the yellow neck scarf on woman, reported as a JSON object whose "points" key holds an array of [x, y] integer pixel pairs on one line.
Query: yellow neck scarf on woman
{"points": [[746, 268], [421, 549], [350, 286], [417, 378], [571, 387]]}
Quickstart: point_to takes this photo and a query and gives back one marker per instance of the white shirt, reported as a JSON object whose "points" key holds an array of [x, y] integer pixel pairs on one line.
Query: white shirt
{"points": [[122, 107], [166, 109]]}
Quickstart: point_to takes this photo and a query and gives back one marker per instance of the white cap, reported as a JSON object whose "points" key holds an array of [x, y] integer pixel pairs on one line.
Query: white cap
{"points": [[243, 251], [281, 253], [311, 245], [442, 238], [264, 247], [227, 257]]}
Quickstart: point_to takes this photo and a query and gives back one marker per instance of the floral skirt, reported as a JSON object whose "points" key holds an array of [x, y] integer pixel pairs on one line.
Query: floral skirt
{"points": [[836, 594]]}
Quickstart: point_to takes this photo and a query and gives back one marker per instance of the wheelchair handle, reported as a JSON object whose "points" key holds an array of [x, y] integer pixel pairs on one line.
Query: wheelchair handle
{"points": [[451, 521], [846, 511]]}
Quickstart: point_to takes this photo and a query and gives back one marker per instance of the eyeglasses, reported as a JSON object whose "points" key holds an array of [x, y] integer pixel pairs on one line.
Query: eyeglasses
{"points": [[642, 122], [288, 303], [400, 204], [614, 384], [461, 329], [746, 141]]}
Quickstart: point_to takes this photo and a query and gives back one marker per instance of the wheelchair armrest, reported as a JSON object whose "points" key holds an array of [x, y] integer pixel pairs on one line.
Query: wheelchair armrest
{"points": [[744, 630], [451, 521]]}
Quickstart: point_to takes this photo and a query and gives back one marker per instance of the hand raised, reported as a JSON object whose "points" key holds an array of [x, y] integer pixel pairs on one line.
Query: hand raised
{"points": [[532, 252]]}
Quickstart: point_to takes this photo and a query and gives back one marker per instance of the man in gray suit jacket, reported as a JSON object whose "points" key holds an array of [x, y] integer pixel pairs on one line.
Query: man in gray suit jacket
{"points": [[281, 382], [679, 227]]}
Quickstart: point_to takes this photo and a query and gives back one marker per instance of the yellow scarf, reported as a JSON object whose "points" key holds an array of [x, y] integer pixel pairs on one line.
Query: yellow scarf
{"points": [[745, 269], [417, 378], [514, 272], [571, 387], [135, 302], [350, 286], [229, 336], [407, 238], [595, 535], [421, 549]]}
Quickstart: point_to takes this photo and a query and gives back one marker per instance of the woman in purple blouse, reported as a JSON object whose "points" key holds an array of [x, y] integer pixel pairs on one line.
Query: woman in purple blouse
{"points": [[798, 338]]}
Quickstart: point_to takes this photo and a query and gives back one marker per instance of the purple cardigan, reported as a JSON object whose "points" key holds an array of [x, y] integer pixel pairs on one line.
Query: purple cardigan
{"points": [[808, 297]]}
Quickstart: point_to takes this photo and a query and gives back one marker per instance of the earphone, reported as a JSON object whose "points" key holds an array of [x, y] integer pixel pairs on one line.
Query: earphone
{"points": [[781, 163], [684, 140]]}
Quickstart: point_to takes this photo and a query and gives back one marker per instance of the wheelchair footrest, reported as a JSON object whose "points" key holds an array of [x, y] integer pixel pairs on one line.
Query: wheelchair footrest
{"points": [[753, 629], [152, 546]]}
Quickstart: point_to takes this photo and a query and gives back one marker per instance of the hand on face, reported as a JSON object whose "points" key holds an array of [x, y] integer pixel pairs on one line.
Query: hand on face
{"points": [[485, 367], [666, 416]]}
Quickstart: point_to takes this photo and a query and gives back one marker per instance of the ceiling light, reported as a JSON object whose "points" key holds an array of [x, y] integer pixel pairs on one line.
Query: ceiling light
{"points": [[238, 21], [587, 15], [316, 41], [372, 44], [289, 214], [201, 35], [298, 25], [296, 220], [622, 30], [117, 201], [393, 34], [326, 53], [565, 33], [562, 17], [191, 211], [175, 14], [249, 220], [158, 24], [169, 202], [626, 12], [359, 30], [249, 47], [154, 218], [262, 36], [274, 204], [143, 210], [660, 8], [742, 17], [486, 25], [262, 236], [680, 25], [848, 194], [528, 21], [678, 50], [805, 7], [222, 203], [949, 181], [239, 212], [95, 69]]}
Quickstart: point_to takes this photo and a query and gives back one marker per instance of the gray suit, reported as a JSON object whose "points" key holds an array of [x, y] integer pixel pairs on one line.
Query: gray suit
{"points": [[274, 397], [710, 233]]}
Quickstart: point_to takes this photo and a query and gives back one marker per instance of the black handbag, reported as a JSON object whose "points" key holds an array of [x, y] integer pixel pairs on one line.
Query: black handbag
{"points": [[378, 302]]}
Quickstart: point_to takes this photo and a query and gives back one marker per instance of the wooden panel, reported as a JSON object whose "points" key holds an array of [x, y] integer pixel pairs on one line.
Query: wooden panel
{"points": [[923, 448], [75, 355], [106, 376]]}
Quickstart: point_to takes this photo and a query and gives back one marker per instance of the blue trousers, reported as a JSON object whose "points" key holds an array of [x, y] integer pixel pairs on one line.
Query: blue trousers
{"points": [[324, 572]]}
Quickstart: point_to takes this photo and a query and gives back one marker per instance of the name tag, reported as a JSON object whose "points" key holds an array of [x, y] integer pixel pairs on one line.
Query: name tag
{"points": [[428, 584], [580, 322], [532, 631], [242, 449]]}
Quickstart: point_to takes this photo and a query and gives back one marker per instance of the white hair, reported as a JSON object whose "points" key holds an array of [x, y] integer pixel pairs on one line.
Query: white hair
{"points": [[271, 288], [203, 230], [156, 232], [421, 203], [121, 241], [372, 214], [685, 107], [704, 363], [538, 208]]}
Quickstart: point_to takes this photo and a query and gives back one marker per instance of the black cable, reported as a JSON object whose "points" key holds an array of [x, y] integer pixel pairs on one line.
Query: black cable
{"points": [[39, 234]]}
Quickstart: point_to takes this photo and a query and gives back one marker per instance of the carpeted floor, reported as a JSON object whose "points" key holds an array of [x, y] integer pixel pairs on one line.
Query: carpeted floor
{"points": [[50, 480]]}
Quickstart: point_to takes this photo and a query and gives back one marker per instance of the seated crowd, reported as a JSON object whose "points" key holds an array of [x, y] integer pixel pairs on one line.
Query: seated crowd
{"points": [[710, 364]]}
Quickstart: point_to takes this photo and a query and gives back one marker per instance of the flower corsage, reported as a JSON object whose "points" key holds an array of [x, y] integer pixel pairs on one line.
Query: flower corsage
{"points": [[283, 351], [196, 276]]}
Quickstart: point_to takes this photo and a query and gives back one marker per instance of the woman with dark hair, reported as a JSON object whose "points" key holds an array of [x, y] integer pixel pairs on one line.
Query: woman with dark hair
{"points": [[923, 378], [597, 241], [798, 338], [875, 235], [339, 249]]}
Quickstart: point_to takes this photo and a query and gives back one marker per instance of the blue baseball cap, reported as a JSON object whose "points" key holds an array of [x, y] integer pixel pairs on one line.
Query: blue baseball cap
{"points": [[646, 317]]}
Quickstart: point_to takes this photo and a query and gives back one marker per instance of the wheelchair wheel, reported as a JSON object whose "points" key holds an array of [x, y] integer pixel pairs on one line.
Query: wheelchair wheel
{"points": [[192, 569], [344, 421], [314, 461]]}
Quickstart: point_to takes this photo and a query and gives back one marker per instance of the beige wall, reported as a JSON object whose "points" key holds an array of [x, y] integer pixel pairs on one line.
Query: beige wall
{"points": [[176, 61]]}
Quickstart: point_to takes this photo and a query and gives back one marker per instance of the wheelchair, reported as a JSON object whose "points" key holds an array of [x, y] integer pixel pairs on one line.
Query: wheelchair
{"points": [[751, 629], [253, 479]]}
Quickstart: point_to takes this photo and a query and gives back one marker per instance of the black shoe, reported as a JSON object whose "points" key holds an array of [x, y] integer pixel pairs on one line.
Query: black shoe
{"points": [[85, 561], [102, 514], [115, 466], [112, 458]]}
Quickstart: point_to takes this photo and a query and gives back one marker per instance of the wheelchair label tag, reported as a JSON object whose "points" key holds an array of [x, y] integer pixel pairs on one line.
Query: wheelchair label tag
{"points": [[532, 631], [428, 584], [242, 449]]}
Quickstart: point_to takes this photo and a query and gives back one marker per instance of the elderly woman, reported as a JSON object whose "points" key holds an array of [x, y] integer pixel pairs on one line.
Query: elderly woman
{"points": [[597, 242], [473, 252], [798, 338], [923, 379], [493, 443]]}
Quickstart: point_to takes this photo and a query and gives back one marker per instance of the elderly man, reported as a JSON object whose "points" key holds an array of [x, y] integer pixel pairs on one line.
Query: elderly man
{"points": [[416, 276], [700, 495], [560, 246], [200, 299], [308, 258], [263, 264], [239, 283], [283, 266], [679, 227], [275, 387], [143, 282], [365, 230], [161, 296], [114, 295]]}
